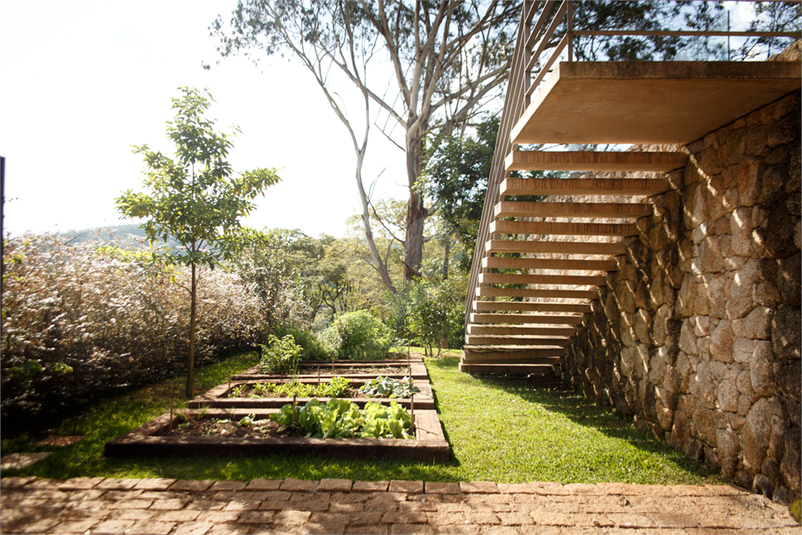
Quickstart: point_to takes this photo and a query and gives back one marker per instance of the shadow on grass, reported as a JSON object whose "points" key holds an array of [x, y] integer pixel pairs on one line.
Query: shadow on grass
{"points": [[556, 397]]}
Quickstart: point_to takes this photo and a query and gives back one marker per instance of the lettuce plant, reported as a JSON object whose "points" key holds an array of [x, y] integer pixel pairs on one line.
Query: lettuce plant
{"points": [[341, 418], [388, 387]]}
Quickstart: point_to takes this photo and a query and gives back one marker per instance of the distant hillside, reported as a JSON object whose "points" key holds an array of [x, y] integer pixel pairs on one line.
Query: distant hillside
{"points": [[130, 236]]}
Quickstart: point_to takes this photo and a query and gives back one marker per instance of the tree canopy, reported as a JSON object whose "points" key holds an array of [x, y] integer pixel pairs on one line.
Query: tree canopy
{"points": [[439, 63]]}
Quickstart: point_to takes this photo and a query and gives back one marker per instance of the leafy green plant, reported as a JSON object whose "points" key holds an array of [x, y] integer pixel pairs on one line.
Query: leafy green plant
{"points": [[292, 388], [251, 422], [382, 421], [335, 388], [313, 349], [260, 390], [437, 321], [280, 355], [358, 336], [388, 387], [341, 418]]}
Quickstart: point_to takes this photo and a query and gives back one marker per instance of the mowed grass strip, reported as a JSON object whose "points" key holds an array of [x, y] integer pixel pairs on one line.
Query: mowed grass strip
{"points": [[509, 430], [500, 429]]}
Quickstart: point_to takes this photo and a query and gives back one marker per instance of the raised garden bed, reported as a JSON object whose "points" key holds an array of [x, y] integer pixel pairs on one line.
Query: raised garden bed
{"points": [[353, 369], [155, 439], [220, 397]]}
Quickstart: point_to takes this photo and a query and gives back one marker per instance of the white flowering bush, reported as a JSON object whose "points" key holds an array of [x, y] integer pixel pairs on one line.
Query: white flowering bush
{"points": [[82, 321]]}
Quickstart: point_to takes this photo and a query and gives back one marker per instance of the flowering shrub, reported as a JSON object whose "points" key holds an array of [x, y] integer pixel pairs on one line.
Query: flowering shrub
{"points": [[82, 321]]}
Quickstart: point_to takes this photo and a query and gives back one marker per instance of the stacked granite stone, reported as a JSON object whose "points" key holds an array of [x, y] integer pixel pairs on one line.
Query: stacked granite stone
{"points": [[698, 333]]}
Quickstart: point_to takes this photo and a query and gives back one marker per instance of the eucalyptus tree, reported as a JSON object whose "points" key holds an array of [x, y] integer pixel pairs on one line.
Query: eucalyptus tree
{"points": [[194, 197], [443, 60]]}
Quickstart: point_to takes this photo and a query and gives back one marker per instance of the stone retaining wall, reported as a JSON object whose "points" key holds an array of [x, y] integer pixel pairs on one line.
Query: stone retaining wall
{"points": [[698, 333]]}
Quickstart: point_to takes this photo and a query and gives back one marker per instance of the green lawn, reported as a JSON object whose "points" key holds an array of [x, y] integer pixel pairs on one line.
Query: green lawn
{"points": [[500, 430]]}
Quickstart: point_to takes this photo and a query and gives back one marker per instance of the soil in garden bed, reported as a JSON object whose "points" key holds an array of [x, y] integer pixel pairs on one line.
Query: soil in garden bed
{"points": [[326, 369], [248, 390], [226, 428], [259, 426]]}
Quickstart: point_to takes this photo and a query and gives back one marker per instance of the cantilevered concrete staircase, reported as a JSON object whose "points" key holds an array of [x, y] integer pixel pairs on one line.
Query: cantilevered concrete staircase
{"points": [[538, 265], [541, 293]]}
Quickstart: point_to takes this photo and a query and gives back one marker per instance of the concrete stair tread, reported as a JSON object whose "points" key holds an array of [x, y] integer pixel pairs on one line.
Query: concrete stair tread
{"points": [[529, 306], [571, 210], [660, 162], [533, 293], [584, 186]]}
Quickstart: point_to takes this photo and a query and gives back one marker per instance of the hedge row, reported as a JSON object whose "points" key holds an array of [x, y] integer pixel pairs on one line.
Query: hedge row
{"points": [[81, 321]]}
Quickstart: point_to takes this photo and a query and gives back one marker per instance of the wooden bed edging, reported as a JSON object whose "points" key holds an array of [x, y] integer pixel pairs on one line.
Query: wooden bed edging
{"points": [[429, 445]]}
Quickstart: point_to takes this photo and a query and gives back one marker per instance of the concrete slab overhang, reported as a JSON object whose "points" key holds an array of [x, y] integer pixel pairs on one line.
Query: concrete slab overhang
{"points": [[649, 102]]}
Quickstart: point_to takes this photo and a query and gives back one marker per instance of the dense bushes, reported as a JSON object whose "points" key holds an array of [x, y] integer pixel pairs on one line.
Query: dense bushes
{"points": [[430, 314], [85, 320], [358, 336], [313, 348], [82, 321]]}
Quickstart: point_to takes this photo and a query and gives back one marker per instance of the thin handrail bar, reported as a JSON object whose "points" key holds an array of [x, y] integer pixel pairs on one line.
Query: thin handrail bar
{"points": [[688, 33], [545, 70], [558, 18], [541, 21], [511, 112], [530, 13], [569, 30]]}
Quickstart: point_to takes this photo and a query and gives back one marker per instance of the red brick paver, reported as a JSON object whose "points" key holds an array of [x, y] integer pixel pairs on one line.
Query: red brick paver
{"points": [[339, 506]]}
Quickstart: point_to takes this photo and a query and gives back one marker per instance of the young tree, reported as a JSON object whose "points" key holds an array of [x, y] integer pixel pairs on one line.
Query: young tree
{"points": [[193, 197]]}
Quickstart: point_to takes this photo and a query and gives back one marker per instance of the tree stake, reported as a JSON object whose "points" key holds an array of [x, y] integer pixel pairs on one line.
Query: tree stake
{"points": [[172, 404]]}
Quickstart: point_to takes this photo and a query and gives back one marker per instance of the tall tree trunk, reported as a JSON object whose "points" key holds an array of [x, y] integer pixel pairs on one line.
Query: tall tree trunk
{"points": [[416, 211], [192, 310]]}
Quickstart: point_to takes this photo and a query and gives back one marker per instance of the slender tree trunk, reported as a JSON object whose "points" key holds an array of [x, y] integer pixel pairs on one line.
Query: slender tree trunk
{"points": [[446, 254], [191, 358], [381, 268]]}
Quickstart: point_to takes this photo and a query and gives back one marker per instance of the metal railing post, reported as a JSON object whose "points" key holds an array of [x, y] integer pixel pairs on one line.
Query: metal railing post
{"points": [[527, 79], [569, 33]]}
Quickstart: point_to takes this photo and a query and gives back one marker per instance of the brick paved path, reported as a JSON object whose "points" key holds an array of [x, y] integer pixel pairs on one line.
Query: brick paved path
{"points": [[336, 506]]}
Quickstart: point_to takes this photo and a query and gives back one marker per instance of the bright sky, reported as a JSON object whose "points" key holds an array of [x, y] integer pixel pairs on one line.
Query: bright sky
{"points": [[81, 81]]}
